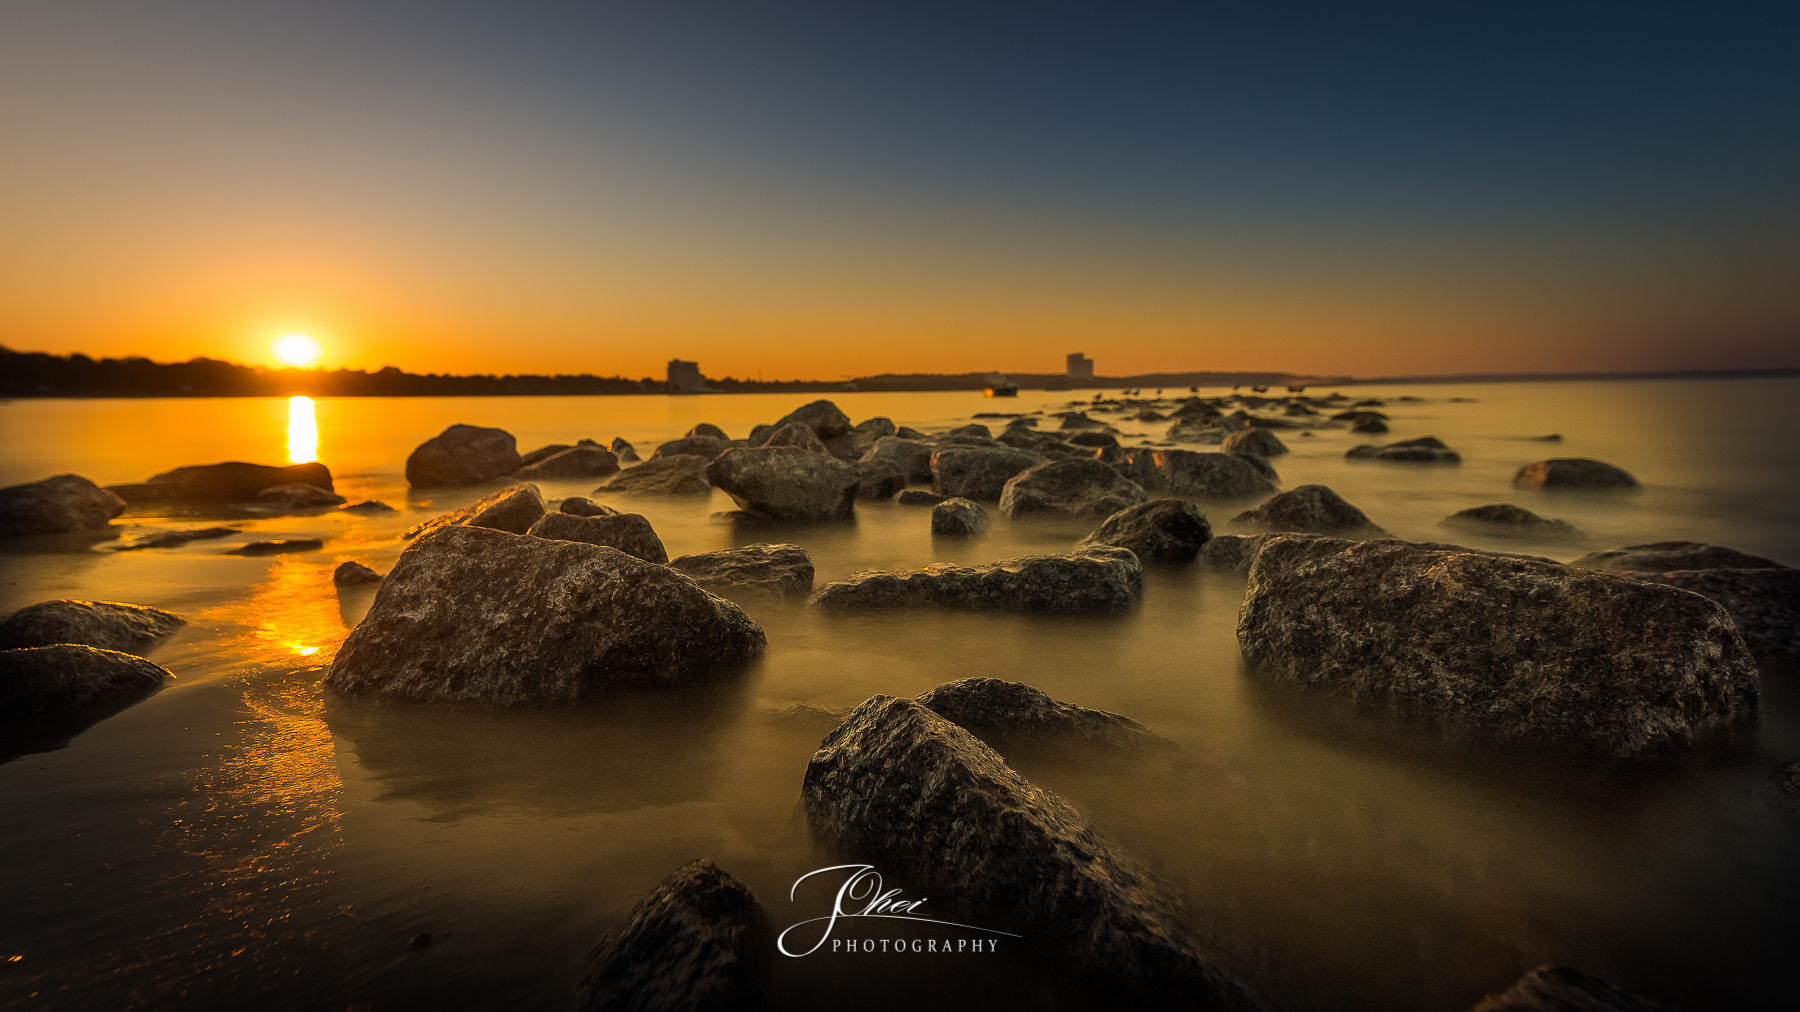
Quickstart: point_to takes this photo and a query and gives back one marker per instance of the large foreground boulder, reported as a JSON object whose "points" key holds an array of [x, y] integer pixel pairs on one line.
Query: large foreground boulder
{"points": [[1523, 647], [1573, 472], [1311, 509], [1764, 603], [1082, 487], [1193, 475], [463, 455], [64, 675], [470, 614], [1093, 580], [109, 625], [786, 482], [934, 808], [1552, 988], [630, 533], [978, 472], [512, 509], [1161, 530], [585, 460], [67, 502], [771, 570], [698, 941], [998, 711], [230, 482], [1505, 518], [679, 475], [1663, 556]]}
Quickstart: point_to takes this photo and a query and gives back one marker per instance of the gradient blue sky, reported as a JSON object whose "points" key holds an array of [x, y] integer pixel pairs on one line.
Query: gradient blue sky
{"points": [[826, 189]]}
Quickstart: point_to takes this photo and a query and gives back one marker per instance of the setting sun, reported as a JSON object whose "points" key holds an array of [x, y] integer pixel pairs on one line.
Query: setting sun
{"points": [[299, 350]]}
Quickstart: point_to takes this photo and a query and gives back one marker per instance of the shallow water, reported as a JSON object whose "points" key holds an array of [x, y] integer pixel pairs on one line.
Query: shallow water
{"points": [[242, 838]]}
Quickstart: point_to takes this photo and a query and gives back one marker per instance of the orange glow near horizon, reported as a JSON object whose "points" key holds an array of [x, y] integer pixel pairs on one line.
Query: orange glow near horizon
{"points": [[302, 351]]}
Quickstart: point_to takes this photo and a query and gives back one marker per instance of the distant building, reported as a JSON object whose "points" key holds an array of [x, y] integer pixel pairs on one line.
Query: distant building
{"points": [[685, 378], [1080, 367]]}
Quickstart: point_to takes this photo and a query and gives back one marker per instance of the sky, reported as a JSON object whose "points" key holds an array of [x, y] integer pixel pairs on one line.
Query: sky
{"points": [[824, 190]]}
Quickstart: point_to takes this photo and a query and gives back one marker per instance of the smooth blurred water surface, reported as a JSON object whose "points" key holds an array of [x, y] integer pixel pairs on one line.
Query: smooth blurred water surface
{"points": [[243, 838]]}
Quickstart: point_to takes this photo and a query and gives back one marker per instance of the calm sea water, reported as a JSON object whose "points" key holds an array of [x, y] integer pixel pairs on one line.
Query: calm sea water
{"points": [[242, 839]]}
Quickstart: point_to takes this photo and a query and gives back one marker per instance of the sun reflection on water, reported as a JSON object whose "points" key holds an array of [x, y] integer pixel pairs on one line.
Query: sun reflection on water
{"points": [[303, 431]]}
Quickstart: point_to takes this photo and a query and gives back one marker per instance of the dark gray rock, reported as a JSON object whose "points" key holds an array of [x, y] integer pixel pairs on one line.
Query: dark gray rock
{"points": [[544, 453], [297, 499], [512, 509], [912, 457], [45, 679], [978, 472], [1423, 450], [679, 475], [704, 447], [1194, 475], [470, 614], [878, 479], [583, 507], [368, 507], [109, 625], [1079, 420], [630, 533], [1196, 430], [67, 502], [230, 482], [797, 435], [958, 518], [624, 450], [709, 429], [281, 546], [1258, 442], [772, 570], [1522, 647], [1551, 988], [1573, 472], [463, 455], [877, 427], [1310, 509], [998, 711], [1369, 425], [930, 805], [1259, 464], [1231, 553], [1161, 530], [1083, 487], [1094, 580], [1663, 556], [1505, 518], [917, 497], [354, 574], [907, 432], [1105, 440], [1764, 604], [586, 461], [175, 539], [786, 482], [697, 942], [823, 417]]}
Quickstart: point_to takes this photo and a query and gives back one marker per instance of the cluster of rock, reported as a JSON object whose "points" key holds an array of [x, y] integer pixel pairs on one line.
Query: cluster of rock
{"points": [[59, 655], [1761, 595], [1095, 579]]}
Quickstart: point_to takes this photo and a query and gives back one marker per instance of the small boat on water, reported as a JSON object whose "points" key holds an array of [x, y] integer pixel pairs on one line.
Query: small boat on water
{"points": [[999, 386]]}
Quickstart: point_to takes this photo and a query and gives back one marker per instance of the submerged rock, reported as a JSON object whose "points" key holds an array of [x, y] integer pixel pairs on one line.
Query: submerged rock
{"points": [[64, 675], [995, 710], [1764, 604], [786, 482], [624, 450], [1423, 450], [586, 461], [470, 614], [1083, 487], [175, 539], [822, 417], [1551, 988], [1195, 475], [704, 447], [281, 546], [581, 506], [1161, 530], [1258, 442], [933, 807], [512, 509], [1312, 509], [912, 457], [463, 455], [1573, 472], [108, 625], [958, 518], [698, 941], [978, 472], [918, 497], [1505, 518], [774, 570], [630, 533], [230, 482], [1231, 553], [367, 507], [67, 502], [1371, 425], [297, 499], [354, 574], [1663, 556], [1093, 580], [878, 479], [1523, 647], [679, 475]]}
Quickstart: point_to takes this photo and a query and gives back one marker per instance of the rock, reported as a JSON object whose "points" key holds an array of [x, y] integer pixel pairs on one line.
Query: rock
{"points": [[624, 450], [916, 497], [1105, 440], [698, 941], [368, 507], [1522, 647], [108, 625], [931, 806], [230, 482], [1423, 450], [958, 518], [544, 453], [878, 479], [823, 417], [630, 533], [1231, 553], [1259, 442], [999, 711], [1195, 475], [67, 502], [581, 506], [1093, 580], [1079, 420], [905, 432], [66, 675], [1551, 988], [470, 614], [1369, 425], [678, 475], [283, 546], [704, 447], [796, 435], [1358, 416], [1572, 472], [1764, 604], [297, 499], [354, 574], [876, 427], [1663, 556], [1257, 463], [512, 509], [786, 482], [463, 455], [978, 472], [1505, 518], [1161, 530], [175, 539], [913, 458], [576, 462], [1193, 430], [709, 429], [1083, 487], [975, 429], [773, 570], [1313, 509]]}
